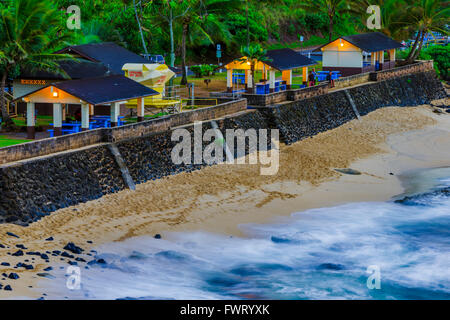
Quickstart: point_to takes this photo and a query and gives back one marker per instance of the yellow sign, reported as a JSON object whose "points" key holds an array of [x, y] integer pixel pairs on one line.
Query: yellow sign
{"points": [[34, 82]]}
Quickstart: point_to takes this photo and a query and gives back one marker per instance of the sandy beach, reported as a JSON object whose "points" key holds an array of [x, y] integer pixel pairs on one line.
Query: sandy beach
{"points": [[382, 146]]}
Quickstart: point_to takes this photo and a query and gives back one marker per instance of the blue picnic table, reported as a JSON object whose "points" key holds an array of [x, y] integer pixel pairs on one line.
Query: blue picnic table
{"points": [[322, 75], [264, 88], [96, 122], [239, 78], [105, 121], [67, 128]]}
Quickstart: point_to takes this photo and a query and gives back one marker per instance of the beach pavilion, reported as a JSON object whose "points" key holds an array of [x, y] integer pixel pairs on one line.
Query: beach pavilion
{"points": [[349, 54], [284, 60], [89, 93]]}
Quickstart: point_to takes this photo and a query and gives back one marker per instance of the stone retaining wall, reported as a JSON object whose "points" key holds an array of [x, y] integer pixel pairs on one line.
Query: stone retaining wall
{"points": [[420, 66], [288, 95], [350, 81], [304, 118], [83, 139], [33, 188]]}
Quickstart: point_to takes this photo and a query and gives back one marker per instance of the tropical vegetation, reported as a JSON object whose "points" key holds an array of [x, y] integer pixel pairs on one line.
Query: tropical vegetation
{"points": [[187, 31]]}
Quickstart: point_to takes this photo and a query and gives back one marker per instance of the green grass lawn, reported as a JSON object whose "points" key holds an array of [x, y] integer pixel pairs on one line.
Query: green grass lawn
{"points": [[5, 141], [218, 80], [40, 121]]}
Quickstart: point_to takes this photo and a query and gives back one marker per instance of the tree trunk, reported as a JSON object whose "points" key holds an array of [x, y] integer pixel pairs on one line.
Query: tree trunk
{"points": [[6, 119], [248, 26], [183, 53], [416, 54], [140, 28], [253, 79], [414, 47], [172, 41], [330, 28]]}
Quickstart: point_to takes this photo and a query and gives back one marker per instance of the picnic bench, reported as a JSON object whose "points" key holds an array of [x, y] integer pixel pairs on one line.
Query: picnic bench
{"points": [[239, 78], [95, 123]]}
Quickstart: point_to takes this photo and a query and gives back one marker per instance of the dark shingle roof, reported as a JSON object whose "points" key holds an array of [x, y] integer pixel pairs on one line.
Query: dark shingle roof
{"points": [[75, 69], [286, 59], [371, 42], [110, 54], [102, 90]]}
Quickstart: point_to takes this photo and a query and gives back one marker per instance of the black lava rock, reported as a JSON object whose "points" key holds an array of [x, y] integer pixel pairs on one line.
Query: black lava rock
{"points": [[5, 264], [49, 239], [18, 253], [21, 246], [48, 269], [7, 288], [157, 236], [65, 254], [12, 235], [13, 276], [73, 248]]}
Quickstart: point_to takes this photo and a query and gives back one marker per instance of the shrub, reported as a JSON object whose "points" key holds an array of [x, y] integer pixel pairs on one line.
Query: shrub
{"points": [[203, 70], [439, 54]]}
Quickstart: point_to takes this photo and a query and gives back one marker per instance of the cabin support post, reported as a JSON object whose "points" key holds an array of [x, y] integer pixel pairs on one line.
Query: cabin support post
{"points": [[115, 110], [140, 109], [272, 80], [287, 76], [57, 119], [85, 117], [305, 76], [31, 120], [229, 80]]}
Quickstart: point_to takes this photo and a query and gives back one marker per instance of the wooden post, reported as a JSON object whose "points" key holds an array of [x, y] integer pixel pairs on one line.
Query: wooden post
{"points": [[246, 72], [57, 119], [140, 109], [286, 75], [115, 110], [64, 112], [272, 76], [31, 121], [305, 75], [84, 117], [230, 80], [250, 82]]}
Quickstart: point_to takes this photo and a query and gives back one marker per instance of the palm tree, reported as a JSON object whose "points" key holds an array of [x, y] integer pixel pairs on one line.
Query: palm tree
{"points": [[394, 16], [328, 7], [200, 19], [427, 16], [138, 16], [254, 54], [29, 33]]}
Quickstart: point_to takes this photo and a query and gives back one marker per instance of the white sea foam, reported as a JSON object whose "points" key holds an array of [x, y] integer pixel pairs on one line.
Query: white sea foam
{"points": [[317, 254]]}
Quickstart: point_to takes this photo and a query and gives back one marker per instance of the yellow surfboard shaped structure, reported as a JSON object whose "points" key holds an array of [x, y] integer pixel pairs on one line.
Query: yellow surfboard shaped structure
{"points": [[154, 76]]}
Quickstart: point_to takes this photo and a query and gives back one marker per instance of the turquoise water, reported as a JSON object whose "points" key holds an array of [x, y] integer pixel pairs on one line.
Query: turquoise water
{"points": [[318, 254]]}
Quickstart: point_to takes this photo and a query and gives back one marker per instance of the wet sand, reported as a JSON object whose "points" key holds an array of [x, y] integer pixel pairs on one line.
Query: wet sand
{"points": [[382, 146]]}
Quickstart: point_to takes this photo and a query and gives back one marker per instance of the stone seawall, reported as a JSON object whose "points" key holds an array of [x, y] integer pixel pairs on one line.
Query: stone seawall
{"points": [[301, 119], [33, 188], [91, 137]]}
